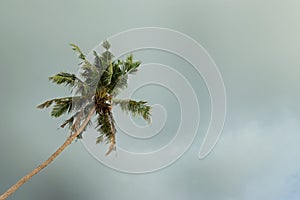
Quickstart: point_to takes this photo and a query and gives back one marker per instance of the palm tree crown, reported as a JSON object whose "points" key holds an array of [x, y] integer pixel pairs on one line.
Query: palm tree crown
{"points": [[96, 88]]}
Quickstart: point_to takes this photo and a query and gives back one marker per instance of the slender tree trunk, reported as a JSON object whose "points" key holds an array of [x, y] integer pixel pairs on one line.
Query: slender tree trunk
{"points": [[69, 140]]}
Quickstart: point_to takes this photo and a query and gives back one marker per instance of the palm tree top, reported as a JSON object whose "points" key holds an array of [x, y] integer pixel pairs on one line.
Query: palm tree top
{"points": [[96, 87]]}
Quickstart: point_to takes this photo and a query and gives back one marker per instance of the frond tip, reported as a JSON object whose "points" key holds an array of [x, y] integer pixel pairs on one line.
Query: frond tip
{"points": [[105, 45], [61, 106], [64, 78], [78, 51]]}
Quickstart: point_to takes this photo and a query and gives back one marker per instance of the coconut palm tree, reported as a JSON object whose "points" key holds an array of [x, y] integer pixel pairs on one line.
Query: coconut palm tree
{"points": [[94, 94]]}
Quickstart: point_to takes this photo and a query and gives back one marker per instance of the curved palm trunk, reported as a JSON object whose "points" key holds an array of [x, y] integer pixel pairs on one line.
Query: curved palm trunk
{"points": [[69, 140]]}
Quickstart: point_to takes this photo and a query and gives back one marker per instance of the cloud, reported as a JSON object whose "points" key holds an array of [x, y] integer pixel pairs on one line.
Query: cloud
{"points": [[254, 162]]}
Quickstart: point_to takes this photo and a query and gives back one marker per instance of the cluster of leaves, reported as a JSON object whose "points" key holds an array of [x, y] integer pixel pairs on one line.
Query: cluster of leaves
{"points": [[97, 85]]}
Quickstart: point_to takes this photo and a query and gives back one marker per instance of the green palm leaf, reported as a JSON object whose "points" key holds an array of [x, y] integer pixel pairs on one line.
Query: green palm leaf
{"points": [[64, 78], [136, 108]]}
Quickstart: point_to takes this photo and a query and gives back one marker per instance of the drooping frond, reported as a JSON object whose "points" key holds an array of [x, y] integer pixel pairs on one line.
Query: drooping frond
{"points": [[46, 104], [71, 80], [107, 130], [104, 127], [136, 108], [75, 121], [63, 105], [68, 122]]}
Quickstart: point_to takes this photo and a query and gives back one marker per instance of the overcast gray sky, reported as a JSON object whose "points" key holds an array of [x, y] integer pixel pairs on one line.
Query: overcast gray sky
{"points": [[254, 43]]}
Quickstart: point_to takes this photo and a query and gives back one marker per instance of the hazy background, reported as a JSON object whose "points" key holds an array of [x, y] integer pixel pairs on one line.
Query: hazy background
{"points": [[256, 46]]}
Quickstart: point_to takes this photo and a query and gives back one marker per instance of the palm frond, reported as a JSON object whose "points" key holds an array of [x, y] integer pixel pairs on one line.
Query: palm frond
{"points": [[105, 127], [48, 103], [82, 89], [130, 67], [65, 104], [107, 130], [61, 106], [136, 108], [67, 79], [107, 75], [76, 120], [106, 57], [106, 44], [90, 73], [68, 122], [119, 84], [98, 63], [80, 54], [78, 51], [122, 69], [64, 78]]}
